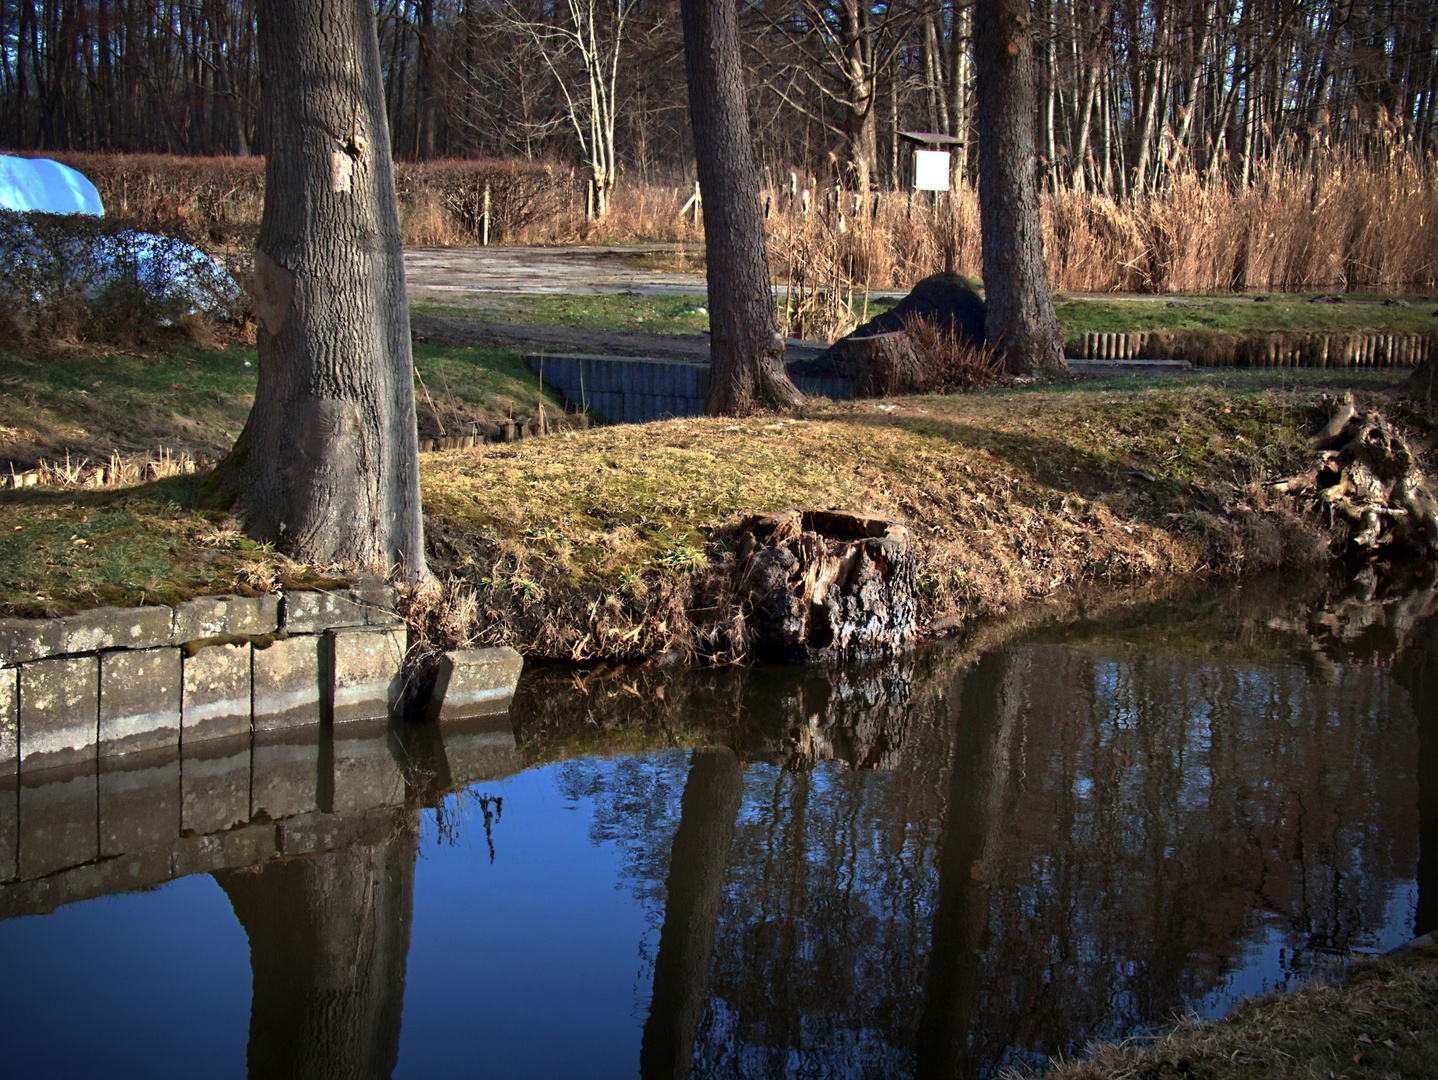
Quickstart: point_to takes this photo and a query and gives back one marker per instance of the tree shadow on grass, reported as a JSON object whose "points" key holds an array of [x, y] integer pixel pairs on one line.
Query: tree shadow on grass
{"points": [[1046, 461]]}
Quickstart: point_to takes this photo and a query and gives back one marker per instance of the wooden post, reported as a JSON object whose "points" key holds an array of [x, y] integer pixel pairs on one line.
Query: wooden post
{"points": [[484, 233]]}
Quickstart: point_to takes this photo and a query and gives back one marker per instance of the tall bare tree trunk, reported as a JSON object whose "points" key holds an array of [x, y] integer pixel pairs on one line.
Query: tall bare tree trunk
{"points": [[746, 351], [327, 465], [709, 811], [860, 123], [1021, 322], [426, 80]]}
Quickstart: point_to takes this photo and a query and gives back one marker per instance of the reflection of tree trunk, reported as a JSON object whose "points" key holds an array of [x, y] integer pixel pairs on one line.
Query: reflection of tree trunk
{"points": [[987, 713], [1418, 673], [708, 814], [329, 939]]}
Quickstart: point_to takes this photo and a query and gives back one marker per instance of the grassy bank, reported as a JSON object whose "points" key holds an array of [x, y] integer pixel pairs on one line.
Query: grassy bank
{"points": [[172, 400], [1381, 1023], [602, 542]]}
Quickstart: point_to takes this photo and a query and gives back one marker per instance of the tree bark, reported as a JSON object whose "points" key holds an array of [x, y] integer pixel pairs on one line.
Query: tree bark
{"points": [[746, 350], [708, 813], [1021, 322], [327, 466]]}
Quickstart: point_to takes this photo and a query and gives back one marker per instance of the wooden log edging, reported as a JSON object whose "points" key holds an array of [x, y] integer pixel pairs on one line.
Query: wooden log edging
{"points": [[1261, 350]]}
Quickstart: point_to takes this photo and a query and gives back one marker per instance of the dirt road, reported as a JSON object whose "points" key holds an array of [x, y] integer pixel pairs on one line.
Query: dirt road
{"points": [[459, 275]]}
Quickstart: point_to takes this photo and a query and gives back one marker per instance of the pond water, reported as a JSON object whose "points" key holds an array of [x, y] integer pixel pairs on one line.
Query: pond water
{"points": [[976, 857]]}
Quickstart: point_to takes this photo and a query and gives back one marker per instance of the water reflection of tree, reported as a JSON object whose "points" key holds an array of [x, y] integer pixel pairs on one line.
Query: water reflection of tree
{"points": [[1119, 826], [329, 944]]}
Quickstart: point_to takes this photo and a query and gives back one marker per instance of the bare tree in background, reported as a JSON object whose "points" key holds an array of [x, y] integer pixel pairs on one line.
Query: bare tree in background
{"points": [[1021, 322], [327, 466], [746, 351], [582, 54]]}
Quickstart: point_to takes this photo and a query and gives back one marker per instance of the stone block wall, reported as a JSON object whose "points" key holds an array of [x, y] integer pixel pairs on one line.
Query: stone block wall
{"points": [[182, 748], [114, 681]]}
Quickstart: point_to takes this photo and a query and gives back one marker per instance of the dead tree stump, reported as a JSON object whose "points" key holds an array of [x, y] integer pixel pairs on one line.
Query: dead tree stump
{"points": [[826, 586], [1367, 476], [881, 364]]}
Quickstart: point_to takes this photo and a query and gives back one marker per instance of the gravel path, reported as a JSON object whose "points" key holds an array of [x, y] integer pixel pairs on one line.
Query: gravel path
{"points": [[454, 275]]}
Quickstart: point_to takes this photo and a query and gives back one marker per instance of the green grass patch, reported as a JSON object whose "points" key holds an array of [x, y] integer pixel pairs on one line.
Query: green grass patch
{"points": [[1242, 315], [92, 403], [478, 384], [196, 400], [659, 314], [64, 550]]}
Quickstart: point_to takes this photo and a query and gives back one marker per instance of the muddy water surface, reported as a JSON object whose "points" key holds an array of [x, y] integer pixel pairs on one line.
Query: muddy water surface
{"points": [[933, 868]]}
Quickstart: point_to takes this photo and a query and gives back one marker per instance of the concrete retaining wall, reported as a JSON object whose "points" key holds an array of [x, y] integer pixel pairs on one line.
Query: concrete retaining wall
{"points": [[634, 390]]}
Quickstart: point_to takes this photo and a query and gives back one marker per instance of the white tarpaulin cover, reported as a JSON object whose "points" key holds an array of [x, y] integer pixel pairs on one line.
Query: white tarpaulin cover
{"points": [[45, 185]]}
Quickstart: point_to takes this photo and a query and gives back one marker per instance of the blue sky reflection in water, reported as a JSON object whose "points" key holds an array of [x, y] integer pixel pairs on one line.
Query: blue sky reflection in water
{"points": [[934, 868]]}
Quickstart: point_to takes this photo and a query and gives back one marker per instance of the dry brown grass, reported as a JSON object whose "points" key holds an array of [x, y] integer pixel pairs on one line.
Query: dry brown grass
{"points": [[1381, 1024]]}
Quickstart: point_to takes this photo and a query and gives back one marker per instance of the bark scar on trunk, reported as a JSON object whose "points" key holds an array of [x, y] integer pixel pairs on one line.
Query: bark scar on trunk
{"points": [[274, 293]]}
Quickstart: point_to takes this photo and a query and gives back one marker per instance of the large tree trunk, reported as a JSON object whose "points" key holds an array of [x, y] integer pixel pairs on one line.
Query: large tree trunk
{"points": [[746, 351], [708, 813], [327, 465], [1021, 323]]}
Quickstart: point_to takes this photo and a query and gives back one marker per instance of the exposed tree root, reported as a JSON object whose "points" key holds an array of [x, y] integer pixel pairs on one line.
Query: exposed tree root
{"points": [[1368, 485]]}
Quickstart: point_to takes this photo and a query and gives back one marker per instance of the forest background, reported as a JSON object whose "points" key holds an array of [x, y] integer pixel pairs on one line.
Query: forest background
{"points": [[1185, 145]]}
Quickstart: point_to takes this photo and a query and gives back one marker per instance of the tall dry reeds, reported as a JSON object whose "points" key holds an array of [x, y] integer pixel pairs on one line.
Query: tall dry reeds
{"points": [[1315, 214]]}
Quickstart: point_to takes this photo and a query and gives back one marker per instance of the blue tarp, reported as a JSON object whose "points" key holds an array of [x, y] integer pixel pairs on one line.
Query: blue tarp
{"points": [[41, 184]]}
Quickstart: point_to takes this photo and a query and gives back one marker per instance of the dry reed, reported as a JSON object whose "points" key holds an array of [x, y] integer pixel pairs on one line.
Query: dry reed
{"points": [[1315, 215], [119, 470]]}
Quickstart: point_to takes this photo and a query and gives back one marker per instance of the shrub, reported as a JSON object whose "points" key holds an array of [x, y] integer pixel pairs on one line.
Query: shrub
{"points": [[70, 276], [949, 361]]}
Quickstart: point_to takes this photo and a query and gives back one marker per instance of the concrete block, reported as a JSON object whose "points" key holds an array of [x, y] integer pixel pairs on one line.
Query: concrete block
{"points": [[231, 850], [364, 673], [308, 612], [370, 601], [9, 719], [367, 772], [59, 712], [214, 784], [216, 699], [139, 801], [286, 683], [139, 700], [9, 823], [225, 616], [375, 597], [22, 640], [480, 748], [474, 682], [285, 772], [59, 819]]}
